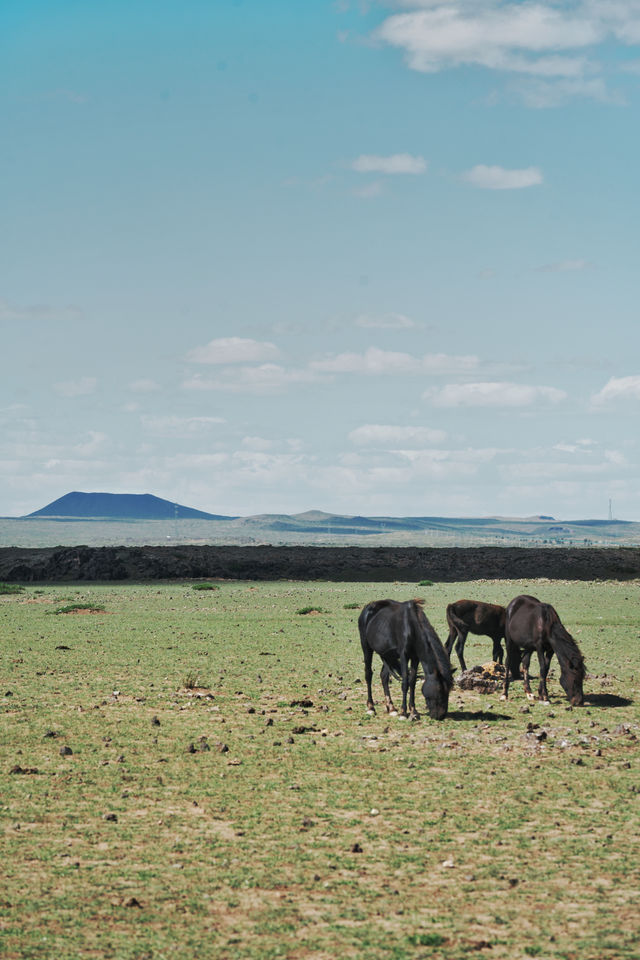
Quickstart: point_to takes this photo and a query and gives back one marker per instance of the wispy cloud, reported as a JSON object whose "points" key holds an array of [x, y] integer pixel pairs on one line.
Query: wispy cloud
{"points": [[566, 266], [394, 437], [618, 388], [173, 426], [496, 394], [395, 164], [264, 378], [369, 191], [377, 362], [233, 350], [386, 321], [499, 178], [144, 386], [76, 388]]}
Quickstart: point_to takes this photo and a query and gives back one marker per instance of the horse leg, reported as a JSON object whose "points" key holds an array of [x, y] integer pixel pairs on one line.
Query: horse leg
{"points": [[455, 634], [526, 660], [413, 674], [545, 661], [368, 673], [462, 639], [385, 673], [404, 671], [512, 656], [497, 654]]}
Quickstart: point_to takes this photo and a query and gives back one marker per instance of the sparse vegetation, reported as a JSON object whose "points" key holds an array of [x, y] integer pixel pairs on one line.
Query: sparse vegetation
{"points": [[304, 611], [8, 588], [506, 830], [79, 608], [205, 586], [191, 681], [425, 583]]}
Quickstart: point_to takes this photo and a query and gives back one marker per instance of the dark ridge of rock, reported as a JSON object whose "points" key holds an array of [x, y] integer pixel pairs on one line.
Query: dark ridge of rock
{"points": [[381, 564]]}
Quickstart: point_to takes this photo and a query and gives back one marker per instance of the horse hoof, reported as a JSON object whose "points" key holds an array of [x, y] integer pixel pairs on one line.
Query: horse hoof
{"points": [[503, 697], [530, 696], [546, 703], [371, 713], [402, 716], [393, 713]]}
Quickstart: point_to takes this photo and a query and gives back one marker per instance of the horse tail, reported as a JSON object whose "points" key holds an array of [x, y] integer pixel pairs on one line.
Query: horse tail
{"points": [[454, 621], [366, 616], [427, 637]]}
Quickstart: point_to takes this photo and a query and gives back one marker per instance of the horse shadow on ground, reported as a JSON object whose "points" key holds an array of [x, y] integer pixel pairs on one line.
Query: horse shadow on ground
{"points": [[606, 700], [478, 716]]}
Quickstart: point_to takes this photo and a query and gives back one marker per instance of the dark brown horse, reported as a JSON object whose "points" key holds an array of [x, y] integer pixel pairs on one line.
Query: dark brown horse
{"points": [[531, 625], [403, 637], [473, 616]]}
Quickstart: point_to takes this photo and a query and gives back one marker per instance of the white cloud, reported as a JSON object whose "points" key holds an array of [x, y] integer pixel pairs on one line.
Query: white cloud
{"points": [[390, 437], [517, 37], [555, 45], [144, 386], [369, 191], [96, 441], [541, 94], [387, 321], [173, 426], [497, 394], [396, 163], [261, 444], [375, 362], [444, 363], [37, 312], [498, 178], [76, 388], [265, 378], [234, 350], [566, 266], [618, 388]]}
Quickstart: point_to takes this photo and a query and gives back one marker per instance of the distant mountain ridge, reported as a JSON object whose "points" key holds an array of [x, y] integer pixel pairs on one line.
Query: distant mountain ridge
{"points": [[120, 506], [317, 526]]}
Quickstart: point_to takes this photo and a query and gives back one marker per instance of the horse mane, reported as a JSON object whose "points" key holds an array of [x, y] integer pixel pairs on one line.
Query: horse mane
{"points": [[565, 648], [432, 642]]}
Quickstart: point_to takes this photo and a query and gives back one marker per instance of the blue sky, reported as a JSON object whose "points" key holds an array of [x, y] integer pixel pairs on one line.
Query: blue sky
{"points": [[365, 257]]}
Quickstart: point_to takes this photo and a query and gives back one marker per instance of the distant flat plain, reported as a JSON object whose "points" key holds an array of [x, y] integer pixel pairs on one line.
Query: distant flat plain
{"points": [[320, 530]]}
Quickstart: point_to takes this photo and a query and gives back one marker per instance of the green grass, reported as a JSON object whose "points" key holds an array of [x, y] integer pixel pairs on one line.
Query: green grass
{"points": [[79, 608], [205, 586], [9, 588], [319, 831]]}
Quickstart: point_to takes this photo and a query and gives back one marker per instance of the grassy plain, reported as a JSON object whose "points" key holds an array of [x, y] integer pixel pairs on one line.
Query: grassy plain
{"points": [[226, 794]]}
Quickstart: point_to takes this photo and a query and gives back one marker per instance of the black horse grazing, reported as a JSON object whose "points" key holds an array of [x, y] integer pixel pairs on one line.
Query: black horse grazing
{"points": [[531, 625], [473, 616], [403, 637]]}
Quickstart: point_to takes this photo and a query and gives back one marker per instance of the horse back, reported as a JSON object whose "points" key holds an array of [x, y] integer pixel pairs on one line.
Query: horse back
{"points": [[477, 616]]}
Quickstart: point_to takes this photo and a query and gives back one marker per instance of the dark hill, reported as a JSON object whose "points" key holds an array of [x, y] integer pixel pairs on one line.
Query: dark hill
{"points": [[120, 506]]}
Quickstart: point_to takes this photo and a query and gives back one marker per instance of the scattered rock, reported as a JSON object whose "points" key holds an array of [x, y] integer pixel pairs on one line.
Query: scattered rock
{"points": [[66, 752], [111, 817]]}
